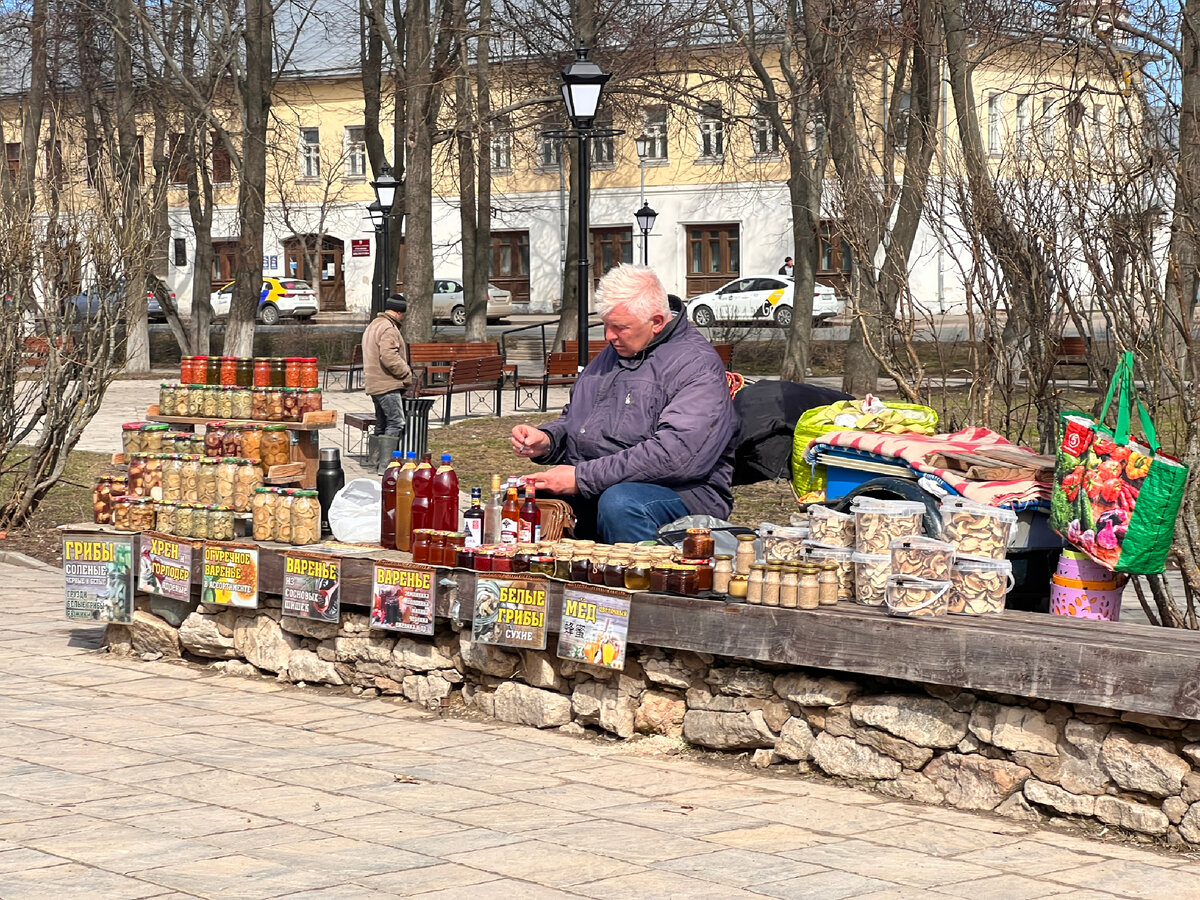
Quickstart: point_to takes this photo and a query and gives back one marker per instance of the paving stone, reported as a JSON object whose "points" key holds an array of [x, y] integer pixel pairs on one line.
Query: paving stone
{"points": [[656, 885], [740, 867], [1001, 887], [893, 864], [630, 843], [1132, 879], [826, 885], [544, 863]]}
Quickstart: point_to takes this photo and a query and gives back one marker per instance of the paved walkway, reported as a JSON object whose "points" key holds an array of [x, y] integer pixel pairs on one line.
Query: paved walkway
{"points": [[127, 779]]}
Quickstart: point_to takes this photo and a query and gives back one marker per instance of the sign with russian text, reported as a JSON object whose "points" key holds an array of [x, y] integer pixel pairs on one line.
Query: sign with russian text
{"points": [[230, 575], [98, 576], [595, 626], [402, 598], [510, 611], [312, 586], [165, 566], [360, 246]]}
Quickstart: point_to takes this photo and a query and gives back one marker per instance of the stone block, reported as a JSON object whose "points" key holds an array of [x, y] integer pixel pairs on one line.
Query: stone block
{"points": [[727, 730], [311, 628], [1192, 752], [1131, 816], [1086, 737], [912, 786], [1138, 762], [925, 721], [150, 634], [804, 690], [1044, 768], [540, 671], [596, 703], [1174, 808], [426, 690], [838, 721], [419, 656], [741, 681], [1017, 807], [846, 757], [907, 754], [975, 782], [776, 712], [525, 705], [201, 635], [485, 658], [1191, 787], [170, 610], [764, 758], [795, 740], [262, 642], [669, 672], [1189, 824], [1057, 799], [660, 713], [1080, 771], [304, 665], [983, 718], [485, 702], [117, 639], [374, 648], [235, 667], [1146, 720], [1028, 730]]}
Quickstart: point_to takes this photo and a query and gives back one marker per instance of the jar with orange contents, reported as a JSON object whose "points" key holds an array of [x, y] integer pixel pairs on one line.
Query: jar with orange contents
{"points": [[291, 372], [308, 372], [228, 371], [420, 545], [262, 372]]}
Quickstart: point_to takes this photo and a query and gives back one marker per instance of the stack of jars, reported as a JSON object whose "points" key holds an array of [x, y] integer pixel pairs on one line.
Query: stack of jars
{"points": [[286, 516], [221, 481], [438, 548], [195, 521], [107, 490], [277, 404], [294, 371], [143, 437]]}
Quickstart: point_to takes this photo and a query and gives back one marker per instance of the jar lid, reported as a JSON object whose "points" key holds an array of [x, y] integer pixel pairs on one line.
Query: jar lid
{"points": [[263, 490], [699, 531], [761, 566], [747, 537], [274, 427], [134, 426], [723, 556], [309, 494]]}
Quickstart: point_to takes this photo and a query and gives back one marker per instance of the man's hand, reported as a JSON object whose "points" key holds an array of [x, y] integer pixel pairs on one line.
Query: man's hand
{"points": [[555, 480], [529, 442]]}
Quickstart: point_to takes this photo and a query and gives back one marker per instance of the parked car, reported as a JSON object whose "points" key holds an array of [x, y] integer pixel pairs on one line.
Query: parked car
{"points": [[281, 298], [88, 304], [759, 298], [448, 301]]}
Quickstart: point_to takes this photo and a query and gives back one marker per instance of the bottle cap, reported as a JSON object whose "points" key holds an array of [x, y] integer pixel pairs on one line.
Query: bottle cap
{"points": [[331, 455], [412, 454], [397, 454], [445, 457]]}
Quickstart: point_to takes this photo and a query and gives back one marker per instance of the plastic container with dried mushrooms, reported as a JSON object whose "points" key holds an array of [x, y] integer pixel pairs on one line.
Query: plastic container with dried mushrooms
{"points": [[922, 557], [782, 543], [871, 572], [909, 596], [828, 553], [878, 522], [978, 585], [976, 529], [830, 526]]}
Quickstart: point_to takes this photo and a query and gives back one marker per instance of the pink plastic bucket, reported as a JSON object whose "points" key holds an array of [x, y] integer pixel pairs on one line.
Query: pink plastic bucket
{"points": [[1084, 601], [1073, 564]]}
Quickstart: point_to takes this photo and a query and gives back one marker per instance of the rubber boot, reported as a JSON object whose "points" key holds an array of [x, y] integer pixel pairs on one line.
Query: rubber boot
{"points": [[373, 447], [387, 446]]}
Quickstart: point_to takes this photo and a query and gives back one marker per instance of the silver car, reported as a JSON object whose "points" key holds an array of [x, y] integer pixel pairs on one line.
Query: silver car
{"points": [[448, 301]]}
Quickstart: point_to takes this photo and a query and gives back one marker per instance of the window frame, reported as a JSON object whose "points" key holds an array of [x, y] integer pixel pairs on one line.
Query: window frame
{"points": [[310, 153], [654, 126], [355, 151], [710, 134]]}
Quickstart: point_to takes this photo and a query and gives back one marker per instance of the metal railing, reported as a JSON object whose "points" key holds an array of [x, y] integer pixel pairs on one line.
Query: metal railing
{"points": [[540, 326]]}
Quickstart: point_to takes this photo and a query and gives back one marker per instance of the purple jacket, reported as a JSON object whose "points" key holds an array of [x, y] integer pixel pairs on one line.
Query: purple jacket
{"points": [[662, 417]]}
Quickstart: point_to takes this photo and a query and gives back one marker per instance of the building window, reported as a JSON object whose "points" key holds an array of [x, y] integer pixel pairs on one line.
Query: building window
{"points": [[1023, 125], [835, 250], [714, 250], [602, 147], [1047, 126], [654, 126], [712, 132], [995, 131], [13, 153], [763, 136], [356, 152], [177, 162], [549, 150], [510, 254], [222, 169], [180, 251], [502, 151], [310, 153]]}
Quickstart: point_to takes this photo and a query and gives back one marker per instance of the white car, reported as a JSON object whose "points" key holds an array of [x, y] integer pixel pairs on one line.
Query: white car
{"points": [[280, 298], [448, 301], [759, 298]]}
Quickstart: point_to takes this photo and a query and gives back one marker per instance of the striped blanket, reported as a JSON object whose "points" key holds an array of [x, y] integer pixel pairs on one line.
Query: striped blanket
{"points": [[915, 449]]}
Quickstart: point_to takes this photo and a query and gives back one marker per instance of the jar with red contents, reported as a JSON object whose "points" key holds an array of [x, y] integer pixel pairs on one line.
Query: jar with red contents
{"points": [[291, 372], [199, 366], [452, 548], [502, 561], [228, 371], [262, 372], [308, 372], [420, 546], [185, 370]]}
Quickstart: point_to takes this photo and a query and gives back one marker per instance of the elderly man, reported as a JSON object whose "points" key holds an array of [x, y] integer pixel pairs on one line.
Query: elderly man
{"points": [[386, 375], [649, 433]]}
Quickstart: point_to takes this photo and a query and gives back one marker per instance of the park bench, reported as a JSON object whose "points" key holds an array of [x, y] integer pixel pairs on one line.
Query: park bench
{"points": [[1074, 351], [559, 369], [468, 376], [352, 370]]}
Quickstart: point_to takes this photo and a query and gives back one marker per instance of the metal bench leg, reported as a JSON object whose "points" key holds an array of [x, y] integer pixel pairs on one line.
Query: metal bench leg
{"points": [[446, 409], [545, 392]]}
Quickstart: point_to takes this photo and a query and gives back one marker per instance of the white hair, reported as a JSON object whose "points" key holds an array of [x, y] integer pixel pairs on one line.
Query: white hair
{"points": [[637, 288]]}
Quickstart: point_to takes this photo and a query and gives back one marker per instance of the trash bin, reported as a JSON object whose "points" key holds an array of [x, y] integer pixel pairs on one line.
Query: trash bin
{"points": [[416, 425]]}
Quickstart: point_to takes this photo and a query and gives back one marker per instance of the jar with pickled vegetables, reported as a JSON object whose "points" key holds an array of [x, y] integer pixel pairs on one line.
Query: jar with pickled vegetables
{"points": [[275, 405], [306, 517], [206, 482], [227, 468], [200, 523], [225, 401], [244, 372], [172, 479], [252, 441], [310, 401], [228, 371], [278, 372], [212, 370], [152, 437], [242, 403], [189, 478], [136, 486], [122, 513], [246, 482], [284, 502], [262, 372], [214, 439], [142, 515], [308, 372], [220, 523], [102, 500], [185, 369], [164, 518], [183, 519], [263, 509], [275, 446], [131, 438], [211, 402], [181, 400], [231, 443], [291, 404], [166, 399], [291, 372], [195, 399], [258, 403], [152, 476]]}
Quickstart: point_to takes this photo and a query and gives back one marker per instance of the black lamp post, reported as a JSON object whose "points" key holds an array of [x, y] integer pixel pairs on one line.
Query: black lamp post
{"points": [[378, 295], [645, 219], [381, 213], [583, 82]]}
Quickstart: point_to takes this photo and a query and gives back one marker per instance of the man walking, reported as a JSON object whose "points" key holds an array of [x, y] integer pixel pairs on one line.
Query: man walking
{"points": [[386, 375]]}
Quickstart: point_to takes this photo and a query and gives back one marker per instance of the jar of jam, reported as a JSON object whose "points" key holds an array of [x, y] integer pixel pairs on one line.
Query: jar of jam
{"points": [[596, 567], [278, 372], [420, 545], [637, 574], [308, 372], [166, 399], [659, 576], [262, 372], [212, 370], [521, 555], [676, 580], [244, 372], [614, 571], [455, 542], [229, 371], [291, 372], [579, 568], [502, 561], [704, 573], [483, 560], [698, 543]]}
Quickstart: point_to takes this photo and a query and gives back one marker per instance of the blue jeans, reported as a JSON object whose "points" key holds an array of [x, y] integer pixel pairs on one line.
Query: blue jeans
{"points": [[635, 511], [389, 413]]}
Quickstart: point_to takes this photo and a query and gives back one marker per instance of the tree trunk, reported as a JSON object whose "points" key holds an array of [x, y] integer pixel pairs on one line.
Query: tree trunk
{"points": [[418, 168], [568, 315]]}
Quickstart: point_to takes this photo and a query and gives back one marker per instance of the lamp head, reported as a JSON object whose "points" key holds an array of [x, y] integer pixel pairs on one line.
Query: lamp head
{"points": [[385, 189], [645, 217], [583, 82]]}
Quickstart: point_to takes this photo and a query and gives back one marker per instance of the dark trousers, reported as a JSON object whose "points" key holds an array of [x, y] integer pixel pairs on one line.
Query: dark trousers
{"points": [[389, 413]]}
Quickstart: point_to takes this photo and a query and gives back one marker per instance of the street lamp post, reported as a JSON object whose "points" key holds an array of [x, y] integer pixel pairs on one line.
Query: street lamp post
{"points": [[378, 295], [642, 143], [645, 219], [381, 212]]}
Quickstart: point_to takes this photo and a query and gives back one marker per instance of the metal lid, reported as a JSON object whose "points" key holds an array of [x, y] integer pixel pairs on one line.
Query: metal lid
{"points": [[331, 454]]}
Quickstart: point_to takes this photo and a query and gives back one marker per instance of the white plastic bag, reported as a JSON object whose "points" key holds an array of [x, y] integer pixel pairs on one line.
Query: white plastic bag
{"points": [[355, 512]]}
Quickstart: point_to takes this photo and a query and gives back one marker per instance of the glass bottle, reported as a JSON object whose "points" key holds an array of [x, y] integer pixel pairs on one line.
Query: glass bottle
{"points": [[530, 524], [473, 519], [492, 513], [510, 517], [771, 583], [754, 588], [808, 593], [746, 554]]}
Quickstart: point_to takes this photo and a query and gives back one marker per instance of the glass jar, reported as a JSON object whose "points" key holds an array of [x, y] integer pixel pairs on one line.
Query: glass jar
{"points": [[306, 518], [152, 476], [212, 372], [189, 479], [722, 572], [241, 404], [704, 574], [284, 501], [290, 404], [596, 567], [227, 469], [754, 585], [152, 437], [142, 515], [220, 524], [262, 372], [637, 573], [200, 523], [244, 372], [164, 517], [225, 401], [275, 446], [278, 372], [258, 403], [206, 482], [541, 565], [291, 372], [309, 376], [181, 400], [136, 486], [420, 546], [172, 479], [808, 595], [771, 582], [738, 586], [698, 543], [274, 399], [452, 545], [102, 500], [691, 580], [228, 371], [184, 514], [614, 570], [579, 568], [231, 440], [465, 558], [212, 403], [185, 369], [789, 582], [659, 576], [483, 560], [246, 482], [195, 399], [829, 583], [746, 554], [676, 580], [310, 401], [252, 441], [214, 439], [502, 561], [166, 399], [131, 438], [263, 509]]}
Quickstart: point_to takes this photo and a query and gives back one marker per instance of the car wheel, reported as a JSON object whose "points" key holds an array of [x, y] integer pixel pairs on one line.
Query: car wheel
{"points": [[703, 316], [458, 315], [269, 314], [783, 316]]}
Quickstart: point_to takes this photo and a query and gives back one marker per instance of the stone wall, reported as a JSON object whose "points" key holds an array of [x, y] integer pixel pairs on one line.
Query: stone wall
{"points": [[1018, 757]]}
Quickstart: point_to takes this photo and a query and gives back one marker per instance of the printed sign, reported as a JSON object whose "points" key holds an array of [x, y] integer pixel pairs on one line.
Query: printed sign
{"points": [[595, 626], [312, 586], [510, 611], [271, 262], [165, 566], [98, 575], [360, 246], [402, 598], [231, 575]]}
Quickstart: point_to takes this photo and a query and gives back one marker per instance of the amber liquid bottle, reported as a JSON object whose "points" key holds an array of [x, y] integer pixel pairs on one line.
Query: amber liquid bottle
{"points": [[530, 526], [387, 512], [510, 517], [404, 499]]}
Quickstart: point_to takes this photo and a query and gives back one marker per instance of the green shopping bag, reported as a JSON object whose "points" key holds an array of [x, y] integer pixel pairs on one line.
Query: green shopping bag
{"points": [[1115, 498]]}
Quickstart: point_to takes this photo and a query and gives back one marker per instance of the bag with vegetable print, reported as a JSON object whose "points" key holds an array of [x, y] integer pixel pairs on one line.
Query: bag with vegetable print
{"points": [[1116, 498]]}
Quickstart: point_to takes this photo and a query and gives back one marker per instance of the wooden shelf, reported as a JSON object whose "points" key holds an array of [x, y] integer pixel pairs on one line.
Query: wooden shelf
{"points": [[318, 421]]}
